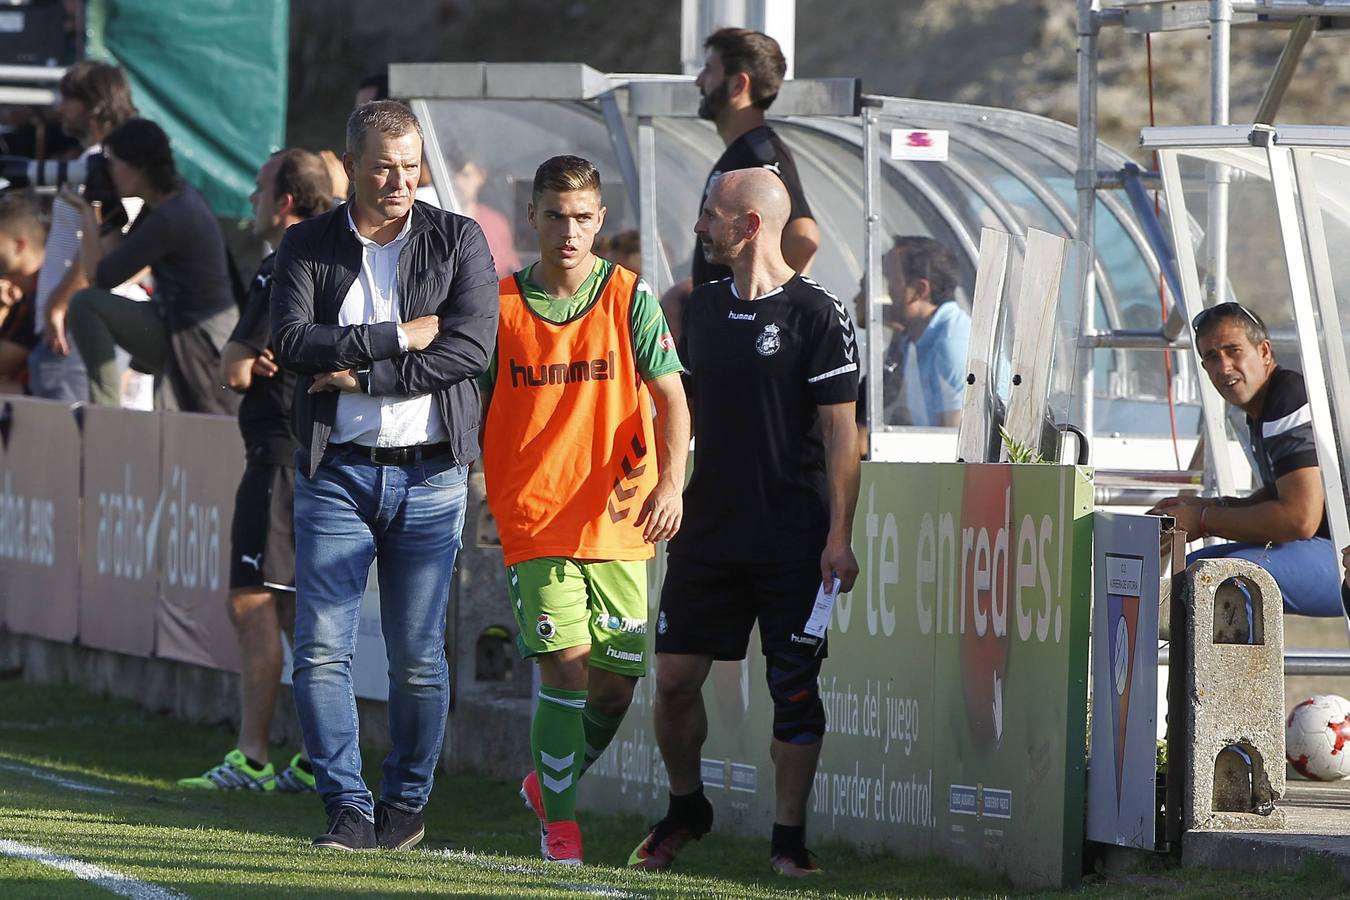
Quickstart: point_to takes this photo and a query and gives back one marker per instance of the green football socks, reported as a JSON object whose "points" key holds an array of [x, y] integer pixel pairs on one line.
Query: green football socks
{"points": [[600, 730], [558, 741]]}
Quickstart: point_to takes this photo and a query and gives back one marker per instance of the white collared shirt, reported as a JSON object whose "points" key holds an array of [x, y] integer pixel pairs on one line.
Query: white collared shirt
{"points": [[374, 297]]}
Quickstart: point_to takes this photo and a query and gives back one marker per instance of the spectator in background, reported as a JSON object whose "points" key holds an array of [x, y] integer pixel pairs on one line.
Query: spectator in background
{"points": [[337, 176], [94, 99], [180, 333], [742, 74], [892, 333], [925, 364], [374, 86], [468, 180], [291, 186], [34, 132], [22, 236], [624, 248]]}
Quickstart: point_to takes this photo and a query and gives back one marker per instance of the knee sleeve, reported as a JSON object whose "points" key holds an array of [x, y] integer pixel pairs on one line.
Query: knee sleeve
{"points": [[798, 714]]}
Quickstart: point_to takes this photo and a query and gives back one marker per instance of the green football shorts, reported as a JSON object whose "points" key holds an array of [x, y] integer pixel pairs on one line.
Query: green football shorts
{"points": [[561, 603]]}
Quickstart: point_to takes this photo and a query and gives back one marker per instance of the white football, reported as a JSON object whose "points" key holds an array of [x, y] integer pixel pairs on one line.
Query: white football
{"points": [[1317, 737]]}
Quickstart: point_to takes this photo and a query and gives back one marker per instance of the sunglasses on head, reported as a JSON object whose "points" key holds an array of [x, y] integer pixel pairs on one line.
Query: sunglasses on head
{"points": [[1223, 310]]}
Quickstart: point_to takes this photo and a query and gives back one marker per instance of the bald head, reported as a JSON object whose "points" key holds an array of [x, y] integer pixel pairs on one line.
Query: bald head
{"points": [[757, 191], [743, 219]]}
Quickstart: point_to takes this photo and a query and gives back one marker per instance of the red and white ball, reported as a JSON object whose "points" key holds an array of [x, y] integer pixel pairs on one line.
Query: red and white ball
{"points": [[1317, 738]]}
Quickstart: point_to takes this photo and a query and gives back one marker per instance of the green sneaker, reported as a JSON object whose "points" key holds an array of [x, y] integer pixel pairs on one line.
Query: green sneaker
{"points": [[295, 780], [234, 774]]}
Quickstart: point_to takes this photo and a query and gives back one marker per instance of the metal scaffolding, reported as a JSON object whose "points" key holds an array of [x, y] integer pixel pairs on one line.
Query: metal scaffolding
{"points": [[1219, 18]]}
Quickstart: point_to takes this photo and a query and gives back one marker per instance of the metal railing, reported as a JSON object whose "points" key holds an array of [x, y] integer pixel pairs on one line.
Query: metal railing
{"points": [[1315, 661]]}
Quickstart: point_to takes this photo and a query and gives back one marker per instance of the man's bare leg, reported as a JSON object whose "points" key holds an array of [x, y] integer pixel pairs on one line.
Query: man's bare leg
{"points": [[610, 692], [254, 614], [794, 770], [680, 718], [286, 619], [681, 728], [565, 669]]}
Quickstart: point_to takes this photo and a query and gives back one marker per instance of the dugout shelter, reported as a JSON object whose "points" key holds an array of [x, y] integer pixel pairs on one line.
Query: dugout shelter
{"points": [[1002, 169]]}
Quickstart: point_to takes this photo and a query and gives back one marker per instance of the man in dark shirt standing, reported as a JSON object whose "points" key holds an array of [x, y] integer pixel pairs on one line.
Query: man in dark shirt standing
{"points": [[741, 77], [768, 513], [293, 185], [1282, 525]]}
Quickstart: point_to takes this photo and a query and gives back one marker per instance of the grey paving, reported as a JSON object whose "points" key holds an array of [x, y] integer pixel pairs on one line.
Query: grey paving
{"points": [[1317, 825]]}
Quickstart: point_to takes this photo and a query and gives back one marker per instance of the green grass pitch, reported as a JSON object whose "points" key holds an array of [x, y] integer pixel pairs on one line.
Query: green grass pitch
{"points": [[91, 780]]}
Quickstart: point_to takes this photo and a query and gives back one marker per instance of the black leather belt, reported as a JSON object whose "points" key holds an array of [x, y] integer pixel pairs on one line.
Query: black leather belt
{"points": [[397, 456]]}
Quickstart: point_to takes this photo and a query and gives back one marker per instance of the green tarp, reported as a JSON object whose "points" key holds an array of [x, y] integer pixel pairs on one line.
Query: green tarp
{"points": [[212, 73]]}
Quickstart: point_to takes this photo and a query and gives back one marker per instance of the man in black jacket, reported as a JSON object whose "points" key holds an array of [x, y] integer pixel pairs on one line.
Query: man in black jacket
{"points": [[387, 309]]}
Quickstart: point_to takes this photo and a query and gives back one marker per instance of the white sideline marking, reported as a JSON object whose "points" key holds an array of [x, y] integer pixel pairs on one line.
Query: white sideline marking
{"points": [[55, 779], [122, 885], [596, 890], [495, 864]]}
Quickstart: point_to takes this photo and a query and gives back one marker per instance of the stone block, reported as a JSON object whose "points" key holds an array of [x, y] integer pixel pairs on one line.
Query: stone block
{"points": [[45, 661], [480, 634], [285, 722], [205, 696], [159, 684], [11, 654], [1235, 692], [489, 734]]}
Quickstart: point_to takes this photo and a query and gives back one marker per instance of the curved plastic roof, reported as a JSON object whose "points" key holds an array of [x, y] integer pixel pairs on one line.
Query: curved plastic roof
{"points": [[1006, 169]]}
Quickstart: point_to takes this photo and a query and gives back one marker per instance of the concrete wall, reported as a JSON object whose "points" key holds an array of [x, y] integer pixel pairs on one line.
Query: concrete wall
{"points": [[488, 728]]}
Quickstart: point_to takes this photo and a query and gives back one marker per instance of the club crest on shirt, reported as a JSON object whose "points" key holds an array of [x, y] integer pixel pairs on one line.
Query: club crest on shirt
{"points": [[768, 342]]}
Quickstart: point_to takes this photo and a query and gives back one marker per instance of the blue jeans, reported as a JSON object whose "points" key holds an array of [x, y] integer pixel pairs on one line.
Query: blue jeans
{"points": [[408, 519], [1307, 572], [56, 377]]}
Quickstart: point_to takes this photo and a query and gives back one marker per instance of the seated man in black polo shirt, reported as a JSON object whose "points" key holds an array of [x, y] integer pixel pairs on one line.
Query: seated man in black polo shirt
{"points": [[1282, 525]]}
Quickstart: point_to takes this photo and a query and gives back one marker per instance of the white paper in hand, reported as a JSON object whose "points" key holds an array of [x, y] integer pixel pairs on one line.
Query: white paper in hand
{"points": [[820, 613]]}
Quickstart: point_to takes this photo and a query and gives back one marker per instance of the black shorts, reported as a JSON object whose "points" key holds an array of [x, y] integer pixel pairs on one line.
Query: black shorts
{"points": [[262, 536], [710, 608]]}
